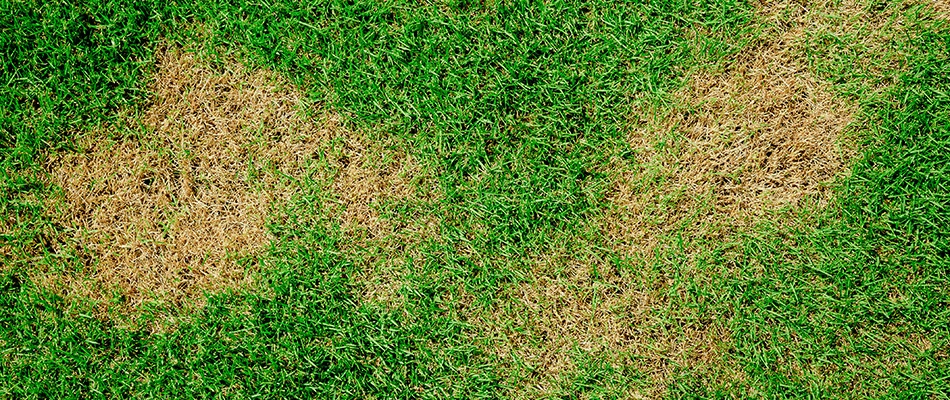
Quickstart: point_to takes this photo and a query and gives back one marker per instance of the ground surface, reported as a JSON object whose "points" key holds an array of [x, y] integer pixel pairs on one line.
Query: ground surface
{"points": [[465, 199]]}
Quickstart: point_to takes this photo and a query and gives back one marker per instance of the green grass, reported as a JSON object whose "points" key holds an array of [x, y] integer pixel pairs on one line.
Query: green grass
{"points": [[517, 108]]}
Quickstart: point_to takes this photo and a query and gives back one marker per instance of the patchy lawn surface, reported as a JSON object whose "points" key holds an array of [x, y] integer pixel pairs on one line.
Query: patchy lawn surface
{"points": [[475, 199]]}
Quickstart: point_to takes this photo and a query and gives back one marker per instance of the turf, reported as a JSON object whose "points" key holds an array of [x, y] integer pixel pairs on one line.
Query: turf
{"points": [[506, 125]]}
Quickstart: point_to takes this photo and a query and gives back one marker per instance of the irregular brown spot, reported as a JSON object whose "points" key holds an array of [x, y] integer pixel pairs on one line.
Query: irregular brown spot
{"points": [[941, 8], [735, 145], [166, 211], [368, 175], [372, 178], [580, 304], [759, 135]]}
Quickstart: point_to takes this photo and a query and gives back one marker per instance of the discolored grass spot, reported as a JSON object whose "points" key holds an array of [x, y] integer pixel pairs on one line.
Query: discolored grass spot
{"points": [[859, 45], [735, 145], [760, 135], [168, 211], [578, 305], [942, 8], [386, 209]]}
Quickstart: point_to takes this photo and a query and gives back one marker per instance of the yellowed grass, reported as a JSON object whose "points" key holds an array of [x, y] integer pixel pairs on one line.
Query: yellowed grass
{"points": [[760, 135], [166, 212], [582, 305], [941, 8]]}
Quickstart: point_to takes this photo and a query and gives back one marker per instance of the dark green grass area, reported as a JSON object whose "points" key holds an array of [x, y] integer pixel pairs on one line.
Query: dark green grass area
{"points": [[517, 107]]}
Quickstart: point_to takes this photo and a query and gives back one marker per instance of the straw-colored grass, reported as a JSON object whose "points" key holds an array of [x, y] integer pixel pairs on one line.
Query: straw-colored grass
{"points": [[735, 145], [167, 210], [760, 135]]}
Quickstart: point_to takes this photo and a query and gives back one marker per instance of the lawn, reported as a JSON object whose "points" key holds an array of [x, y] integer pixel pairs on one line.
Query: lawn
{"points": [[475, 199]]}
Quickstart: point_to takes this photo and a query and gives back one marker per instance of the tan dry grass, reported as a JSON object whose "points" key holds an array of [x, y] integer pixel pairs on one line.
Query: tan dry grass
{"points": [[941, 8], [369, 174], [370, 177], [759, 135], [736, 146], [621, 316], [167, 212], [867, 34]]}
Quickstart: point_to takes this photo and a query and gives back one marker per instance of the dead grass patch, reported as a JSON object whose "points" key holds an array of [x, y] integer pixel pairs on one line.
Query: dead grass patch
{"points": [[757, 136], [761, 135], [166, 212], [583, 306], [857, 40], [941, 8], [371, 179], [736, 146]]}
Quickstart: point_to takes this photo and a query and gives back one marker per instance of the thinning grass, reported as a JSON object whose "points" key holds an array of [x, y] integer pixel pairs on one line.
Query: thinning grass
{"points": [[385, 206]]}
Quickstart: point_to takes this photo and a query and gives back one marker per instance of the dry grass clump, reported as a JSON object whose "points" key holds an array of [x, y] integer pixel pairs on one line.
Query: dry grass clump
{"points": [[942, 8], [166, 213], [736, 145], [859, 40], [369, 174]]}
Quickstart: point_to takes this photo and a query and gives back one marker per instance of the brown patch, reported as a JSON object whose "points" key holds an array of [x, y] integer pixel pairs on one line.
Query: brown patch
{"points": [[581, 304], [760, 135], [167, 212], [371, 177], [368, 175], [736, 146], [868, 35]]}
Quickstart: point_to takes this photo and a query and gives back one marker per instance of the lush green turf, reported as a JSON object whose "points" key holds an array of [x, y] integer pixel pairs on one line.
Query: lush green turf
{"points": [[517, 108]]}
